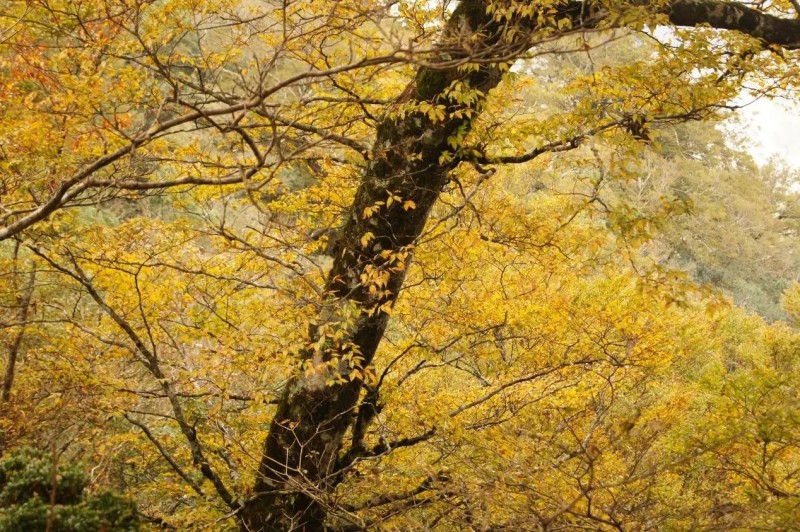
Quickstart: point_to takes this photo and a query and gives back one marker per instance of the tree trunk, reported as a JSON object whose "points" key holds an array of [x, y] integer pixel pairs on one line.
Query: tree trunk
{"points": [[25, 296], [301, 450]]}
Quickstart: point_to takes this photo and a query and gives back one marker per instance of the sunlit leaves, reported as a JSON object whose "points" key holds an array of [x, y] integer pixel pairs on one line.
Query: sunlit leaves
{"points": [[541, 366]]}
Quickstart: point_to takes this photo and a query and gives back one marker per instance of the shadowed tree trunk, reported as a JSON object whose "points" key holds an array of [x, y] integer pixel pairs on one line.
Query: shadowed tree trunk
{"points": [[24, 297], [298, 465], [305, 437]]}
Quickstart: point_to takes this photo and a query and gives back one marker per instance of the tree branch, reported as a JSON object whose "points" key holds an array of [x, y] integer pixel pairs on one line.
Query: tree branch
{"points": [[170, 460], [735, 16], [150, 361]]}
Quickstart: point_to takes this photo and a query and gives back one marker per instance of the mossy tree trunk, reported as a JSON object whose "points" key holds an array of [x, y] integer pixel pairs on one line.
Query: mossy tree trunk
{"points": [[305, 438]]}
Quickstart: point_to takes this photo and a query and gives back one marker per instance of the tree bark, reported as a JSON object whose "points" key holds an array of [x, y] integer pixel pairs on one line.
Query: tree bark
{"points": [[297, 468], [301, 450], [25, 297], [770, 29]]}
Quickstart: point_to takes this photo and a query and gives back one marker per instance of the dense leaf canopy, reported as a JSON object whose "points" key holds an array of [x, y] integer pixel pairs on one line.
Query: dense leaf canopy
{"points": [[407, 265]]}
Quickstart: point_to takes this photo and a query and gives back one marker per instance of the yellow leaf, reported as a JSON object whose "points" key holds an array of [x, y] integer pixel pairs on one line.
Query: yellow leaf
{"points": [[365, 240]]}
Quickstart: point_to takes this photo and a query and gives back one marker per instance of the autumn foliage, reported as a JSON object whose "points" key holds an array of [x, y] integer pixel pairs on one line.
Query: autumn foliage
{"points": [[395, 265]]}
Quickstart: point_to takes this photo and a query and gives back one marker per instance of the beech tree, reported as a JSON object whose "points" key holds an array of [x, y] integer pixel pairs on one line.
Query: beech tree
{"points": [[219, 204]]}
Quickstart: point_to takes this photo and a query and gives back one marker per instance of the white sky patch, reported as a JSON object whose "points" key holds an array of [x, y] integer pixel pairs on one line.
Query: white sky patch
{"points": [[772, 128]]}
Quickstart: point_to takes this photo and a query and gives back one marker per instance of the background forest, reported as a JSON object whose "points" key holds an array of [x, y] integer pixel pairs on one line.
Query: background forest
{"points": [[395, 265]]}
